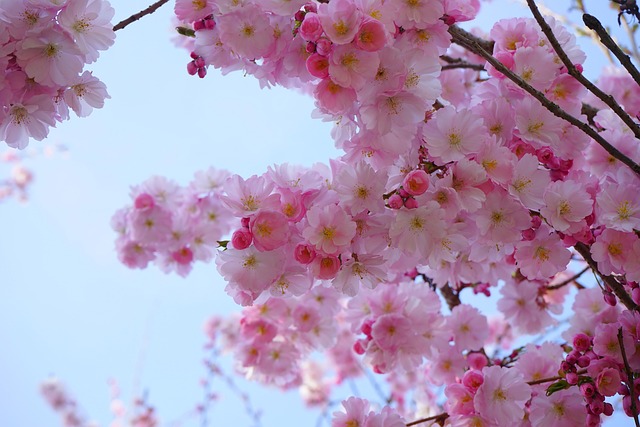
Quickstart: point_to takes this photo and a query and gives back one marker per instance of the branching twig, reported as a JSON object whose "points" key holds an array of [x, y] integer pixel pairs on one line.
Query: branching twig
{"points": [[461, 37], [573, 71], [615, 286], [459, 63], [630, 382], [569, 280], [438, 418], [592, 23], [133, 18]]}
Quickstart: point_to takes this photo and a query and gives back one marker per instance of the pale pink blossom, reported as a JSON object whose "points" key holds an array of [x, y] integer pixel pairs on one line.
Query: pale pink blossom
{"points": [[247, 32], [566, 204], [564, 408], [451, 135], [469, 327], [542, 257], [270, 230], [340, 19], [329, 228], [89, 23], [85, 94], [502, 396]]}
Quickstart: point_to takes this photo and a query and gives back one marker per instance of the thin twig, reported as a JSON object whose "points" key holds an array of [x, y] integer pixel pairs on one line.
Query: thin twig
{"points": [[461, 37], [459, 63], [632, 39], [592, 23], [615, 286], [569, 280], [630, 382], [573, 71], [133, 18], [440, 417]]}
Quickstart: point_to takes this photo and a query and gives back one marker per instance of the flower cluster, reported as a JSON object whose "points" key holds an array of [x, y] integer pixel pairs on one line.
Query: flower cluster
{"points": [[44, 46], [449, 180], [174, 226]]}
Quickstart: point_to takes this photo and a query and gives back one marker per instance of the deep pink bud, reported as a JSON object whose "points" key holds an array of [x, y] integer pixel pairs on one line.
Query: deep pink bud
{"points": [[572, 378], [199, 25], [449, 20], [245, 221], [358, 348], [310, 7], [199, 61], [472, 380], [395, 201], [635, 295], [587, 389], [584, 361], [410, 203], [581, 342], [536, 222], [416, 182], [202, 72], [191, 68], [528, 234], [299, 16], [304, 254], [144, 201], [323, 46], [610, 298], [310, 47], [241, 238], [183, 256], [477, 361], [608, 409], [311, 28]]}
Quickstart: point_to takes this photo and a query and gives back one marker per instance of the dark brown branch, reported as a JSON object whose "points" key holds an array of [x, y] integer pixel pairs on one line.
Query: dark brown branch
{"points": [[615, 286], [575, 73], [461, 37], [593, 24], [450, 296], [437, 418], [133, 18], [629, 380], [569, 280], [459, 63]]}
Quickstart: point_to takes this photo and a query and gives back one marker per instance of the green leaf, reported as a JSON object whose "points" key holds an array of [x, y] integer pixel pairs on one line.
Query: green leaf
{"points": [[185, 31], [560, 385]]}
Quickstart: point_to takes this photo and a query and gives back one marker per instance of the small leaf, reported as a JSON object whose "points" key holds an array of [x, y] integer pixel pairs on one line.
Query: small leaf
{"points": [[560, 385], [184, 31]]}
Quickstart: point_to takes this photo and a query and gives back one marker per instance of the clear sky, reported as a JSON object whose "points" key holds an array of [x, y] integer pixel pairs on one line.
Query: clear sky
{"points": [[67, 306]]}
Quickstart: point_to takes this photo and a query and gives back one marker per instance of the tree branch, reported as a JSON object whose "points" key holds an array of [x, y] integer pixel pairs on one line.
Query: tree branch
{"points": [[593, 24], [629, 381], [569, 280], [573, 71], [133, 18], [459, 63], [615, 286], [461, 37]]}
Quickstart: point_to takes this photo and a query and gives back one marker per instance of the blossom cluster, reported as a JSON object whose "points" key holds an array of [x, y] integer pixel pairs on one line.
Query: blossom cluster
{"points": [[449, 181], [44, 46], [173, 225]]}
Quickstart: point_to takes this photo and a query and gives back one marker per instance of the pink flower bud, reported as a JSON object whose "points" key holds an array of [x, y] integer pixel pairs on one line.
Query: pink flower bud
{"points": [[318, 66], [326, 267], [477, 361], [472, 380], [371, 36], [410, 203], [528, 234], [183, 256], [324, 46], [311, 28], [395, 201], [241, 238], [144, 201], [304, 254], [581, 342], [416, 182]]}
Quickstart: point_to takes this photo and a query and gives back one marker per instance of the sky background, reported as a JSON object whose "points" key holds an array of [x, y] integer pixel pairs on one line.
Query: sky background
{"points": [[68, 308]]}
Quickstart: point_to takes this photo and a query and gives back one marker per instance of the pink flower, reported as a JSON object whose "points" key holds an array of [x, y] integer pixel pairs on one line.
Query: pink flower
{"points": [[270, 230], [311, 28], [352, 68], [241, 238], [416, 182], [521, 308], [564, 408], [89, 23], [566, 204], [371, 36], [618, 205], [50, 57], [502, 396], [608, 381], [329, 228], [247, 32], [30, 118], [333, 98], [85, 93], [451, 135], [542, 257], [470, 328], [356, 412], [340, 19]]}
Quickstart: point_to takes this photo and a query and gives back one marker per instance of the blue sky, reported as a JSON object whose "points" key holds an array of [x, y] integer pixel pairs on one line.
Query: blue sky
{"points": [[68, 307]]}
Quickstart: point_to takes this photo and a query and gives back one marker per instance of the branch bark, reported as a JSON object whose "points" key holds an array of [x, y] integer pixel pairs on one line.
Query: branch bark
{"points": [[573, 71], [461, 37], [133, 18]]}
